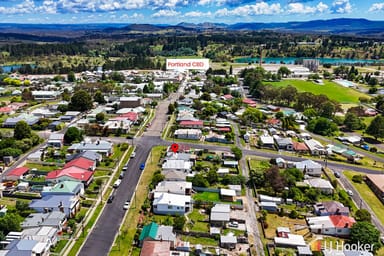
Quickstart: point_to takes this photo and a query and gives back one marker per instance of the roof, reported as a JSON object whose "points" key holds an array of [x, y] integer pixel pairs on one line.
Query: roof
{"points": [[304, 250], [156, 248], [266, 139], [81, 162], [22, 247], [227, 192], [290, 240], [149, 230], [67, 186], [165, 233], [331, 207], [177, 164], [132, 116], [91, 155], [18, 171], [299, 146], [100, 145], [228, 239], [197, 122], [341, 221], [170, 199], [56, 136], [307, 164], [221, 208], [177, 187], [283, 229], [74, 172], [53, 201], [377, 180], [132, 98], [319, 183], [43, 219]]}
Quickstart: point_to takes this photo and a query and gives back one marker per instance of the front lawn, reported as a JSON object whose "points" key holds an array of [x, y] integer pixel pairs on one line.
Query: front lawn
{"points": [[368, 196], [197, 221], [274, 221], [207, 197], [331, 89]]}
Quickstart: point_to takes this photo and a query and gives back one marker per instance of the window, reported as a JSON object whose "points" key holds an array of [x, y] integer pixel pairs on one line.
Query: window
{"points": [[170, 207]]}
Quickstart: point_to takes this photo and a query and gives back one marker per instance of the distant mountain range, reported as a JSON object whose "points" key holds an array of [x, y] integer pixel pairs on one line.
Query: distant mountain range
{"points": [[357, 27]]}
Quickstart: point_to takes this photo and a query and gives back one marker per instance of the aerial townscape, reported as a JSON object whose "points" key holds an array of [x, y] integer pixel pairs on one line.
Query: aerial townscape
{"points": [[180, 137]]}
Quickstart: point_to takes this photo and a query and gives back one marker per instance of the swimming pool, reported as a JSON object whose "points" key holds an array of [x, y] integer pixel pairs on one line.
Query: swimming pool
{"points": [[345, 83]]}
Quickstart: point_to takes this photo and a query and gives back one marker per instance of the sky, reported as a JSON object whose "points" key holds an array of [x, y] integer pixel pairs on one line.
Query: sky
{"points": [[176, 11]]}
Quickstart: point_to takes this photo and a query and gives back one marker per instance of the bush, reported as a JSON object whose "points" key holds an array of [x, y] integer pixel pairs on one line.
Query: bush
{"points": [[293, 214], [357, 178]]}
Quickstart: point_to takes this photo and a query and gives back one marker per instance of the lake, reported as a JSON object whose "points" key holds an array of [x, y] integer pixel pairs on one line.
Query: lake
{"points": [[291, 60], [9, 68]]}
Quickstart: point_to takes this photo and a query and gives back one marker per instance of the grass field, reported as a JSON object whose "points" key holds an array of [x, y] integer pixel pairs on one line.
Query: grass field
{"points": [[207, 197], [332, 90], [368, 196]]}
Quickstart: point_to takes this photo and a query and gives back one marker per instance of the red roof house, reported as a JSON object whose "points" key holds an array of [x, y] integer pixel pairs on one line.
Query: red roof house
{"points": [[82, 163], [300, 146], [16, 173], [191, 124], [7, 110], [71, 173], [228, 96], [131, 116], [249, 102], [342, 221]]}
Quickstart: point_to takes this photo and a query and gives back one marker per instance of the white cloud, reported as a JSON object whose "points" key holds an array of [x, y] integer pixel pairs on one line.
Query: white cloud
{"points": [[377, 7], [341, 6], [299, 8], [28, 6], [195, 14], [261, 8], [165, 13]]}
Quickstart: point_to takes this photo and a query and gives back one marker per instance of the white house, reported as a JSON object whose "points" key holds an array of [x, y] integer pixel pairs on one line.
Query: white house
{"points": [[323, 185], [310, 167], [188, 134], [315, 147], [175, 187], [220, 214], [180, 165], [171, 204], [334, 225], [291, 240]]}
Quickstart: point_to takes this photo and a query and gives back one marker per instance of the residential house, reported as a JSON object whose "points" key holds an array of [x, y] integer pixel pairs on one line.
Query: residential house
{"points": [[174, 175], [56, 140], [228, 241], [180, 155], [192, 124], [158, 248], [171, 204], [237, 189], [11, 122], [222, 172], [266, 141], [315, 147], [69, 116], [269, 206], [100, 146], [228, 195], [323, 185], [283, 143], [175, 187], [283, 231], [290, 241], [130, 102], [229, 163], [91, 155], [310, 167], [334, 225], [304, 251], [249, 102], [188, 134], [45, 95], [82, 163], [16, 174], [35, 156], [118, 124], [43, 113], [220, 215], [270, 199], [64, 188], [67, 204], [179, 165], [71, 173], [214, 137], [376, 183], [155, 232], [27, 247], [300, 147], [54, 219], [53, 126], [131, 116], [42, 234], [328, 208]]}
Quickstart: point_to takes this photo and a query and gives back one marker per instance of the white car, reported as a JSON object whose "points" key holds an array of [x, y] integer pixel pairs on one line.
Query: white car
{"points": [[117, 183], [133, 154], [349, 192], [126, 205]]}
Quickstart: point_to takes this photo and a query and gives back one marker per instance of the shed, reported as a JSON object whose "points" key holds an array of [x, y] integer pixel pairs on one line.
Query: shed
{"points": [[227, 194], [229, 241]]}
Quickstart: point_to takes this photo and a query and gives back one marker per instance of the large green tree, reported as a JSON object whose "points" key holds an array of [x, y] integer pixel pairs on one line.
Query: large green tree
{"points": [[363, 232], [376, 128], [237, 152], [81, 101], [73, 134], [352, 122], [22, 130], [322, 126], [99, 97]]}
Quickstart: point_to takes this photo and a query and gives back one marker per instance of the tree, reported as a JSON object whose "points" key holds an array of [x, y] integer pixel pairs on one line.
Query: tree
{"points": [[71, 77], [200, 181], [22, 130], [26, 95], [100, 117], [322, 126], [99, 97], [363, 232], [73, 134], [237, 152], [212, 176], [376, 127], [352, 122], [357, 178], [252, 115], [10, 222], [81, 101], [256, 178], [171, 108], [274, 179], [179, 222], [363, 215], [284, 71]]}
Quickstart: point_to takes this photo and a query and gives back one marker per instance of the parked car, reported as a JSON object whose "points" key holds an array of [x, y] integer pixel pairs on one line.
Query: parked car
{"points": [[337, 175], [233, 224], [133, 154], [349, 192], [126, 205], [117, 183], [121, 176], [125, 168], [142, 166], [111, 197]]}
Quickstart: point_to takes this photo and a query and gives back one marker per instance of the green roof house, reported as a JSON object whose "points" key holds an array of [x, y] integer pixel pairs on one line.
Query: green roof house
{"points": [[149, 232]]}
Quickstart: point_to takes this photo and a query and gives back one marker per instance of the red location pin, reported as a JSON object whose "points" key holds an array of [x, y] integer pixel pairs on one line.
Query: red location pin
{"points": [[175, 147]]}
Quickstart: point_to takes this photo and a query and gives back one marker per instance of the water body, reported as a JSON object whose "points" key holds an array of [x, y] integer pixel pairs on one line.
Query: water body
{"points": [[293, 60], [10, 68]]}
